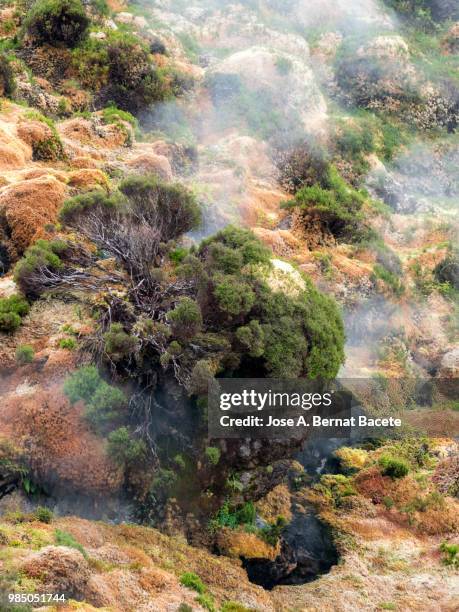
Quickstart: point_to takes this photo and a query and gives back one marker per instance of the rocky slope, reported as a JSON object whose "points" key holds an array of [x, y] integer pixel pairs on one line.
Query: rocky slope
{"points": [[260, 98]]}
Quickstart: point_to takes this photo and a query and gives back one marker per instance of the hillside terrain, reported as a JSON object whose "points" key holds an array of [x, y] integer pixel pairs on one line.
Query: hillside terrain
{"points": [[258, 189]]}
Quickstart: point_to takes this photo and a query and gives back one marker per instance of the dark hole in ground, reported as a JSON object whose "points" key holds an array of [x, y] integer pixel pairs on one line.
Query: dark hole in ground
{"points": [[307, 551]]}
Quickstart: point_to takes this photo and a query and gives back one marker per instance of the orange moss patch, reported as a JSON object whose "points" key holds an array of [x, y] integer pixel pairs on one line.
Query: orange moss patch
{"points": [[86, 179], [276, 503], [14, 153], [150, 163], [30, 205], [60, 446], [236, 544]]}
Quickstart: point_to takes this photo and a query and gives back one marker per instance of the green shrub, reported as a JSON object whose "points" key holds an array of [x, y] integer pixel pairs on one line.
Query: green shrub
{"points": [[57, 22], [9, 321], [104, 403], [193, 581], [63, 538], [172, 207], [447, 271], [271, 533], [120, 70], [213, 454], [235, 606], [336, 204], [101, 7], [105, 407], [389, 278], [82, 384], [179, 461], [112, 114], [450, 554], [67, 343], [233, 516], [44, 515], [12, 309], [24, 354], [252, 338], [206, 601], [42, 255], [186, 318], [7, 80], [50, 148], [234, 297], [124, 449], [119, 344], [85, 202], [303, 166], [395, 468]]}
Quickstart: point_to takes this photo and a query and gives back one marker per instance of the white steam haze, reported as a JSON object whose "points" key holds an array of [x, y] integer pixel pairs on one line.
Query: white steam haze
{"points": [[265, 44]]}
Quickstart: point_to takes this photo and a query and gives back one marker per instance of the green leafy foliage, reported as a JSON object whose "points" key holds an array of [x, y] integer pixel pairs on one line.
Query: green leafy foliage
{"points": [[104, 403], [120, 71], [12, 309], [337, 205], [206, 601], [63, 538], [43, 514], [390, 279], [186, 318], [232, 516], [24, 354], [271, 533], [80, 204], [67, 343], [124, 449], [119, 344], [171, 204], [57, 22], [213, 454], [193, 581], [395, 468], [450, 554], [43, 254]]}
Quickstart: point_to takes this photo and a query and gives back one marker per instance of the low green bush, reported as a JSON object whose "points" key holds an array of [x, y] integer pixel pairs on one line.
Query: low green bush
{"points": [[450, 554], [118, 344], [63, 538], [104, 403], [271, 533], [43, 254], [12, 309], [82, 203], [336, 204], [124, 449], [44, 515], [24, 354], [67, 343], [213, 454], [395, 468], [186, 318], [57, 22], [389, 278], [206, 601], [193, 581], [120, 71]]}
